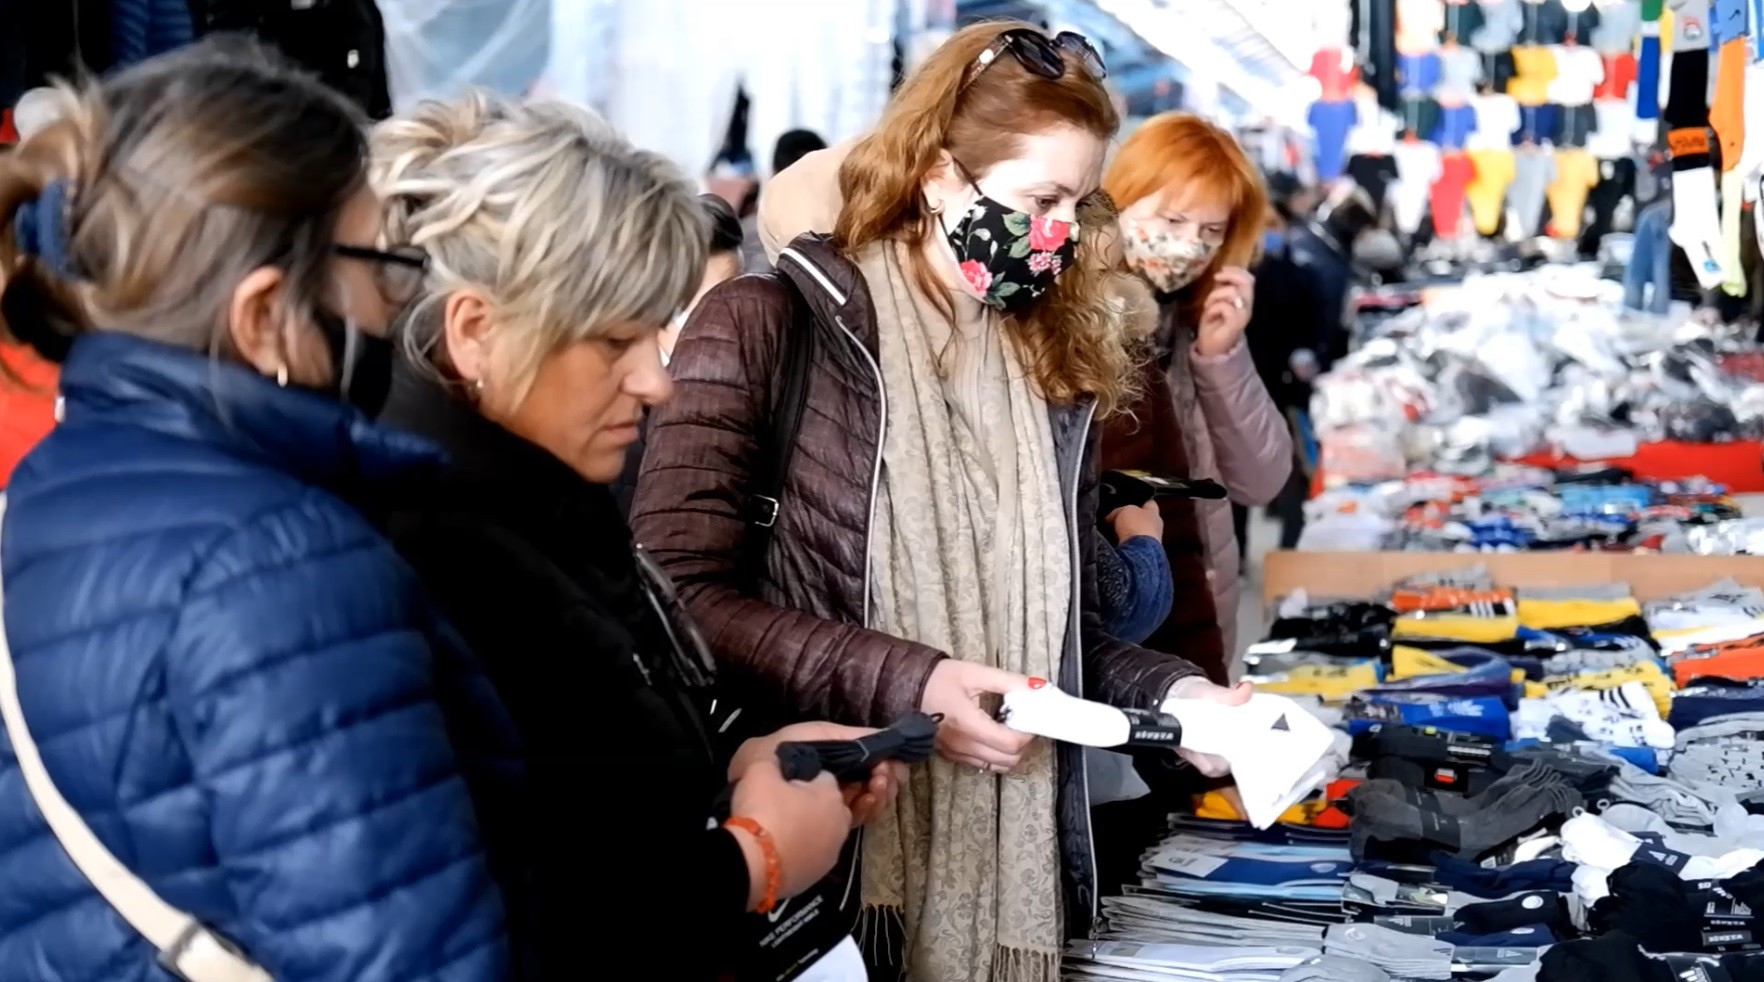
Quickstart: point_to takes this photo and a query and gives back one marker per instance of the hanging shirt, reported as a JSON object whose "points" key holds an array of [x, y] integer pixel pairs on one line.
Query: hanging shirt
{"points": [[1619, 76], [1456, 123], [1619, 25], [1579, 70], [1417, 169], [1460, 68], [1501, 23], [1375, 128], [1418, 73], [1375, 173], [1455, 174], [1487, 190], [1497, 116], [1577, 171], [1330, 121], [1614, 135], [1533, 170], [1419, 23], [1534, 68], [1463, 18], [1336, 73]]}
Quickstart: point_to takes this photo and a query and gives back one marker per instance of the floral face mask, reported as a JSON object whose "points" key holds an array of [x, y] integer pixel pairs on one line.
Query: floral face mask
{"points": [[1167, 261], [1009, 257]]}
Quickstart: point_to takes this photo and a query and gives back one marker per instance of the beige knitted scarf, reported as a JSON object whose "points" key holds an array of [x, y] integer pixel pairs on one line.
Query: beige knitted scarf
{"points": [[969, 555]]}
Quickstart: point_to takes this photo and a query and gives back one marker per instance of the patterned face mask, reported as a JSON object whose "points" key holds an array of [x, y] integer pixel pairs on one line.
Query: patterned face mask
{"points": [[1009, 257], [1166, 261]]}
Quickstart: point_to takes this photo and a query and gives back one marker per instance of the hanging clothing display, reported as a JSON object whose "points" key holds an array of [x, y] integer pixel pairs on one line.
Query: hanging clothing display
{"points": [[1463, 19], [1456, 124], [1533, 170], [1497, 118], [1417, 168], [1534, 68], [1493, 172], [1460, 70], [1456, 171], [1420, 115], [1619, 25], [1330, 124], [1612, 203], [1502, 21], [436, 49], [1577, 125], [1418, 74], [1576, 172], [1614, 133], [1374, 173], [1618, 76], [1419, 24], [1336, 74], [1579, 70]]}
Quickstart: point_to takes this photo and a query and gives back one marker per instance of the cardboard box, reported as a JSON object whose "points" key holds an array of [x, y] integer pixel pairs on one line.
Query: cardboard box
{"points": [[1362, 574]]}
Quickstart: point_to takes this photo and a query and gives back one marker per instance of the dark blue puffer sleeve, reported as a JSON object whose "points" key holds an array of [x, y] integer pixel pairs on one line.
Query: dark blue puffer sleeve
{"points": [[1146, 591], [304, 688]]}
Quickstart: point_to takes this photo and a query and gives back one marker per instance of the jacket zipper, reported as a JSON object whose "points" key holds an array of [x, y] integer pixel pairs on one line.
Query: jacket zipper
{"points": [[1077, 650]]}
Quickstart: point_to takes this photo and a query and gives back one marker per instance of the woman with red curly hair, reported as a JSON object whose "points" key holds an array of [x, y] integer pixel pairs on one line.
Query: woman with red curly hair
{"points": [[932, 540], [1192, 213]]}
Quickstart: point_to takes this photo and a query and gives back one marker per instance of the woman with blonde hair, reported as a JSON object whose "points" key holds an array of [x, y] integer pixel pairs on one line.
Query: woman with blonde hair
{"points": [[555, 254], [1192, 213], [929, 544]]}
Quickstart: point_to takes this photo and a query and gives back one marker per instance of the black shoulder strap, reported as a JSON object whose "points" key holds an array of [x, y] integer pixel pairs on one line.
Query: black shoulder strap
{"points": [[772, 467]]}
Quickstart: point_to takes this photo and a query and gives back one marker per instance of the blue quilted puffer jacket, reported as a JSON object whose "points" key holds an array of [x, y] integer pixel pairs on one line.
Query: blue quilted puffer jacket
{"points": [[241, 687]]}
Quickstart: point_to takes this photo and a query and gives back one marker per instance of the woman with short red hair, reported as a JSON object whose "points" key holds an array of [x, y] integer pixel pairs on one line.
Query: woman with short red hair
{"points": [[1192, 208]]}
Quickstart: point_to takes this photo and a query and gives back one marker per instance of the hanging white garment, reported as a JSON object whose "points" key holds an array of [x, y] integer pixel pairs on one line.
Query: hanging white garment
{"points": [[437, 48]]}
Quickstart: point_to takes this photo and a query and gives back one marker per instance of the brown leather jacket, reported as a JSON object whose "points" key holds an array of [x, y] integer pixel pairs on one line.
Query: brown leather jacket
{"points": [[806, 638]]}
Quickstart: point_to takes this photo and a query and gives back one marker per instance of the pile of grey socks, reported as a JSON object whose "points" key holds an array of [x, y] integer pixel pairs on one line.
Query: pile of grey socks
{"points": [[1723, 752], [1406, 956]]}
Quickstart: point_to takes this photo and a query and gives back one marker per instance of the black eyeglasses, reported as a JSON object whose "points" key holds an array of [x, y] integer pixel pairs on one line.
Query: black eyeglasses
{"points": [[398, 273], [1040, 54]]}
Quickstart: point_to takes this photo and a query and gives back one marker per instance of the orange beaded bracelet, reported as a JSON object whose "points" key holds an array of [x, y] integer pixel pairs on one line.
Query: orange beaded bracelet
{"points": [[769, 850]]}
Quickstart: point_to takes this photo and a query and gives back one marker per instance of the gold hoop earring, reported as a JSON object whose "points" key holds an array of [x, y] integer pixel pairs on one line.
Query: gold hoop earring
{"points": [[282, 375]]}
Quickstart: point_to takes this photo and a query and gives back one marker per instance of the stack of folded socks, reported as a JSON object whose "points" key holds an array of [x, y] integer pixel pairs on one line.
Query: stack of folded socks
{"points": [[1723, 754], [1405, 956], [1625, 716], [1193, 963]]}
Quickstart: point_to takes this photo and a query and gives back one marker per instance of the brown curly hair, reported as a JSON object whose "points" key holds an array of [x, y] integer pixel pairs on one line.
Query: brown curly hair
{"points": [[1071, 343]]}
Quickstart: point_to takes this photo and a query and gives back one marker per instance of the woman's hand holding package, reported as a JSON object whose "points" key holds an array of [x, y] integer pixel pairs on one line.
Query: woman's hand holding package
{"points": [[969, 734], [1197, 687]]}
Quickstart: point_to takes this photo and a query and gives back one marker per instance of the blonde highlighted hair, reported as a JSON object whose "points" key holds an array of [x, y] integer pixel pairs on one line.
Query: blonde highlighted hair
{"points": [[1071, 342], [542, 206]]}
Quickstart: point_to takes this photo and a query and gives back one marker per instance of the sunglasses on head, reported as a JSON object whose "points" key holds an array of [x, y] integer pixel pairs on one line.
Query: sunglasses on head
{"points": [[1040, 54]]}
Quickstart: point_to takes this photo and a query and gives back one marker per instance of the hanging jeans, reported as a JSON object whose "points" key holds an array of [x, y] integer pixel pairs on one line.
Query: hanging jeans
{"points": [[1650, 262]]}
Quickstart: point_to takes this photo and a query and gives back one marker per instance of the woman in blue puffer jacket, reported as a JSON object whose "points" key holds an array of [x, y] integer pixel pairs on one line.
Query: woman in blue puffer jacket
{"points": [[230, 676]]}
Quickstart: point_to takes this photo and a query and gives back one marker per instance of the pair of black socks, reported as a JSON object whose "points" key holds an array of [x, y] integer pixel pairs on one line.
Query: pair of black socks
{"points": [[1519, 802]]}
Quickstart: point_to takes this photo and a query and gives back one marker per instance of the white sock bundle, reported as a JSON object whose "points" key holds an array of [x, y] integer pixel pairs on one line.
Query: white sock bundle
{"points": [[1278, 752]]}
